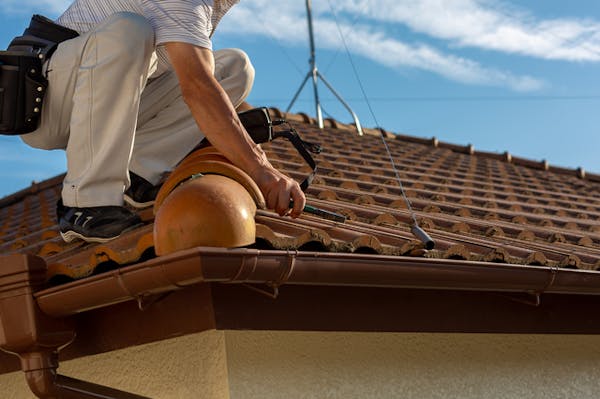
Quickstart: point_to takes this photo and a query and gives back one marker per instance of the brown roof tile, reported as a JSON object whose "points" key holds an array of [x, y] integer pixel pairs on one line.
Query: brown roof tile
{"points": [[477, 206]]}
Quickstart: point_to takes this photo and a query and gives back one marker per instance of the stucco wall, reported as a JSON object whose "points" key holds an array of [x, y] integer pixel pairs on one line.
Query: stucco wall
{"points": [[188, 367], [251, 364], [359, 365]]}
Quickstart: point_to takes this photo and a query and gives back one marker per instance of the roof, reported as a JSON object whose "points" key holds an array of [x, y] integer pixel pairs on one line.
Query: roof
{"points": [[477, 206]]}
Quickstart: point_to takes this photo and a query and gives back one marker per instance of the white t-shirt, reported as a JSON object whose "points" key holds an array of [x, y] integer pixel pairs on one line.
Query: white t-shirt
{"points": [[188, 21]]}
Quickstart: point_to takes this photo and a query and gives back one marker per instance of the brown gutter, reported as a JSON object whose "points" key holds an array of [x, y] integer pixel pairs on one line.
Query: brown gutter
{"points": [[35, 337], [276, 268]]}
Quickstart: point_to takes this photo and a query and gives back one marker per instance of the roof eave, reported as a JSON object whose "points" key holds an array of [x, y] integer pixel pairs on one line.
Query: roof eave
{"points": [[277, 268]]}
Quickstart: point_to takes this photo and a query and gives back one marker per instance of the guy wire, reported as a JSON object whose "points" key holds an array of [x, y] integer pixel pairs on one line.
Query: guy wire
{"points": [[364, 93]]}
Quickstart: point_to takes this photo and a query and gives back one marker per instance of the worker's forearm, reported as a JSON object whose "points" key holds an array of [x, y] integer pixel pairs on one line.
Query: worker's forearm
{"points": [[217, 118]]}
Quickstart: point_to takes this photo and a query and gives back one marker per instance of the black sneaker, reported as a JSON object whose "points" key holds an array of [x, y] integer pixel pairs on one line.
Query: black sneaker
{"points": [[141, 193], [95, 224]]}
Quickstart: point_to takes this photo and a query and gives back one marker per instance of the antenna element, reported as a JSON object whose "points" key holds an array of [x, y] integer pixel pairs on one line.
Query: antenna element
{"points": [[316, 75]]}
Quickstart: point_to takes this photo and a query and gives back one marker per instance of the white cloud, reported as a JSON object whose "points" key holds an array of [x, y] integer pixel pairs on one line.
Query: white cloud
{"points": [[49, 7], [494, 25], [487, 24], [287, 23]]}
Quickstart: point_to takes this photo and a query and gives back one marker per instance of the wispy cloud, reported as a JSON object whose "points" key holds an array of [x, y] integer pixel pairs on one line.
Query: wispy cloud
{"points": [[487, 24], [50, 7], [287, 23], [368, 26]]}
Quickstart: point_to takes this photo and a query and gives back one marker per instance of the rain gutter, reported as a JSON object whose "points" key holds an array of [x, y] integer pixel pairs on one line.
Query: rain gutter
{"points": [[277, 268]]}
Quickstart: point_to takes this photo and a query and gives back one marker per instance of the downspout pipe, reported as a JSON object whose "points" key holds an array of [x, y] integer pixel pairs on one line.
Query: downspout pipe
{"points": [[36, 338], [276, 268]]}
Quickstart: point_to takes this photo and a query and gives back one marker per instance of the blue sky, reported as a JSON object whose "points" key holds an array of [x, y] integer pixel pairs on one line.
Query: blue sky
{"points": [[515, 76]]}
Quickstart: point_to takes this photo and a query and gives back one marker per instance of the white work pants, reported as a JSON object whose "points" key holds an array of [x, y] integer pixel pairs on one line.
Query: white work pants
{"points": [[100, 110]]}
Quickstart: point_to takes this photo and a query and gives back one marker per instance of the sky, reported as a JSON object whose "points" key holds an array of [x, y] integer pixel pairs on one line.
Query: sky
{"points": [[502, 75]]}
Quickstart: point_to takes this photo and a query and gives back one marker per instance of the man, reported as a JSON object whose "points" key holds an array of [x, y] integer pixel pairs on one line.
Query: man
{"points": [[131, 96]]}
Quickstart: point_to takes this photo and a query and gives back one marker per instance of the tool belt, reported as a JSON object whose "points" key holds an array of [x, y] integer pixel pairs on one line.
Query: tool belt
{"points": [[22, 83]]}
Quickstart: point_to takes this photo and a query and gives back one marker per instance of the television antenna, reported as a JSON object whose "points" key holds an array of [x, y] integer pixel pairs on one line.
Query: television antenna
{"points": [[316, 75]]}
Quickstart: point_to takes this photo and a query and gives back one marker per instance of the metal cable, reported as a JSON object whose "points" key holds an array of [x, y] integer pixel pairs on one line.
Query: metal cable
{"points": [[366, 98]]}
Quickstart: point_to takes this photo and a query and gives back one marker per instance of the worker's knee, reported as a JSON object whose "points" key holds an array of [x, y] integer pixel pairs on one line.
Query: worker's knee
{"points": [[233, 62], [132, 31]]}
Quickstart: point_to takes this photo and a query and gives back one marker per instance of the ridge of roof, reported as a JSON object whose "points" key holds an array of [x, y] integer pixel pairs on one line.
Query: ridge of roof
{"points": [[469, 149], [33, 189]]}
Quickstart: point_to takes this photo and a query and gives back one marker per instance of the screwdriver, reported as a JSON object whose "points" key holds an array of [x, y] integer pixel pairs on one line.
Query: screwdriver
{"points": [[336, 217]]}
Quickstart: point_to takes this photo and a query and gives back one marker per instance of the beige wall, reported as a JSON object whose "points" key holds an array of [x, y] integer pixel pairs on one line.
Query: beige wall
{"points": [[357, 365], [193, 366], [246, 364]]}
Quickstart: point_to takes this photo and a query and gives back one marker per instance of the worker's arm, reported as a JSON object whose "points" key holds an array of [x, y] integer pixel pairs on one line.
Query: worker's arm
{"points": [[217, 119]]}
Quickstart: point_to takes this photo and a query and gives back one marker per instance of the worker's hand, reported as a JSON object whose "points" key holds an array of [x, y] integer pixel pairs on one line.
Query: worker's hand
{"points": [[278, 189]]}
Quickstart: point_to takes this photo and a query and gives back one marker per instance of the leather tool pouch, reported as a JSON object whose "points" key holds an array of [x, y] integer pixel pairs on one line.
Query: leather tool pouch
{"points": [[22, 84], [22, 89]]}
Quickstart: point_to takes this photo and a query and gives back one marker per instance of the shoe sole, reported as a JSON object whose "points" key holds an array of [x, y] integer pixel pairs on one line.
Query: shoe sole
{"points": [[70, 236], [137, 205]]}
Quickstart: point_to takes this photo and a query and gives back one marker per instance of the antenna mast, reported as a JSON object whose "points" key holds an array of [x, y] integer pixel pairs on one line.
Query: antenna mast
{"points": [[316, 75]]}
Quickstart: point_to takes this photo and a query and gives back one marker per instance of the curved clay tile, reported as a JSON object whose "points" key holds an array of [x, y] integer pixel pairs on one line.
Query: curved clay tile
{"points": [[494, 231], [520, 220], [365, 200], [491, 216], [561, 213], [458, 252], [546, 223], [490, 205], [411, 193], [349, 214], [460, 227], [386, 219], [536, 259], [498, 255], [18, 244], [463, 212], [465, 201], [325, 164], [426, 223], [571, 226], [211, 210], [350, 185], [365, 178], [432, 209], [526, 235], [586, 241], [380, 190], [328, 195], [314, 239], [318, 180], [49, 248], [515, 208], [368, 242], [557, 238], [398, 204], [335, 173], [571, 261], [539, 211]]}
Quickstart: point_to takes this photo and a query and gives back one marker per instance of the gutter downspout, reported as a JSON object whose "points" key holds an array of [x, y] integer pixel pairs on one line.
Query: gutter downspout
{"points": [[275, 268], [35, 337]]}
